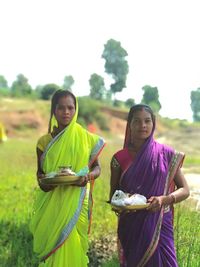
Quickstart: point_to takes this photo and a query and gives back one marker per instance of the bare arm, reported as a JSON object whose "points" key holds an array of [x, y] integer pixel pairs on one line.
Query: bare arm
{"points": [[41, 174], [115, 176], [94, 172], [181, 193], [95, 169]]}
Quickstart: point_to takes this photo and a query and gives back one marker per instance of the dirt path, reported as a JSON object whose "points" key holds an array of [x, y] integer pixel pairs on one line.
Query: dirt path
{"points": [[193, 180]]}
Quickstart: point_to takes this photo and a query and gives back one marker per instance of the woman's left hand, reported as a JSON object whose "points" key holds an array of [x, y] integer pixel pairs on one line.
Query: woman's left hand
{"points": [[155, 203], [83, 180]]}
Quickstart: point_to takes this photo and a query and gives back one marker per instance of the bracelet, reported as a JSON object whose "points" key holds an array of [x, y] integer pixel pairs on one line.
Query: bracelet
{"points": [[173, 198]]}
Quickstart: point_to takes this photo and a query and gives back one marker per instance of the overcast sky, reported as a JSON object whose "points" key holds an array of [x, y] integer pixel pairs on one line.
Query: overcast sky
{"points": [[48, 39]]}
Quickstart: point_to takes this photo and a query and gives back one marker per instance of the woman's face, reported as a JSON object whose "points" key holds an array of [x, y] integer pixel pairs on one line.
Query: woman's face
{"points": [[141, 125], [65, 110]]}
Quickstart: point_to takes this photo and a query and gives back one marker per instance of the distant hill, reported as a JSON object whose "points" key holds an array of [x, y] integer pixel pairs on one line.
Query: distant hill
{"points": [[24, 117]]}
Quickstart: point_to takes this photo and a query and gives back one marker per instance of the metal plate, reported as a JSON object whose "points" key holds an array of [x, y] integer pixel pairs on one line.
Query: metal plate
{"points": [[61, 180], [129, 207]]}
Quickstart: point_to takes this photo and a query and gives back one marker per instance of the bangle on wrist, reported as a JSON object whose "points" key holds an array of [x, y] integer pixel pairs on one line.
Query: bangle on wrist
{"points": [[172, 199]]}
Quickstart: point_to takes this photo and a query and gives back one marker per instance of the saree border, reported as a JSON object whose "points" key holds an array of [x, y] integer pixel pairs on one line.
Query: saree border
{"points": [[69, 227], [50, 144], [175, 163]]}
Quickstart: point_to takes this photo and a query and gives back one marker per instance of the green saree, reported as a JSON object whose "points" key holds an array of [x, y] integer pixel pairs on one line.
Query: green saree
{"points": [[60, 221]]}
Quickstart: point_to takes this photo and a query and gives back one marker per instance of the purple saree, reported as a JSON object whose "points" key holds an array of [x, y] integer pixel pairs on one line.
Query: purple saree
{"points": [[146, 238]]}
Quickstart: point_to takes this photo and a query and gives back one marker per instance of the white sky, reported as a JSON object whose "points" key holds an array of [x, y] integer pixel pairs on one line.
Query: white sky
{"points": [[48, 39]]}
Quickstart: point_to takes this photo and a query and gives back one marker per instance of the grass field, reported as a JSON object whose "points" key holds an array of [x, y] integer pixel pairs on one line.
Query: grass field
{"points": [[18, 184]]}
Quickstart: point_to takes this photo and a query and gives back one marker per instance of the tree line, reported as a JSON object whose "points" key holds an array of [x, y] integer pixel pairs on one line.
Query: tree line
{"points": [[116, 66]]}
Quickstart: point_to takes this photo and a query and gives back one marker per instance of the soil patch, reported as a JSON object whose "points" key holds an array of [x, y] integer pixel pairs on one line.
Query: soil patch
{"points": [[19, 121]]}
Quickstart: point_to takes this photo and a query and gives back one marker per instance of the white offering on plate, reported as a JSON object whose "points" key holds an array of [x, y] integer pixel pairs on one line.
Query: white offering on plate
{"points": [[120, 198], [66, 170]]}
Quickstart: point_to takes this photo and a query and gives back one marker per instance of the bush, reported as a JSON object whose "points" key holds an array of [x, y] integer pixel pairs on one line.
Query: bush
{"points": [[89, 113]]}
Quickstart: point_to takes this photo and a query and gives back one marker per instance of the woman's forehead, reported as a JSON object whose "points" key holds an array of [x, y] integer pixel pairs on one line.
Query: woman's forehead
{"points": [[66, 100], [141, 113]]}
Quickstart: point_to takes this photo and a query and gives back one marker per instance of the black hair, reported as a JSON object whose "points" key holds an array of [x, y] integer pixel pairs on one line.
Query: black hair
{"points": [[54, 101], [140, 107]]}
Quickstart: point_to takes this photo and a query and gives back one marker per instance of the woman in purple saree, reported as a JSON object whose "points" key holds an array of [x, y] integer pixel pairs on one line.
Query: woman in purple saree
{"points": [[151, 169]]}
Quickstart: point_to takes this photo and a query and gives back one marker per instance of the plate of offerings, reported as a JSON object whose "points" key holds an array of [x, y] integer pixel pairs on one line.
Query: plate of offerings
{"points": [[126, 202], [65, 176], [129, 207]]}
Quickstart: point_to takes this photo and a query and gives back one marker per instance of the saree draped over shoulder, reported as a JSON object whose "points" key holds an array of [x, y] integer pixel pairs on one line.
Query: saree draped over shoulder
{"points": [[146, 238], [61, 217]]}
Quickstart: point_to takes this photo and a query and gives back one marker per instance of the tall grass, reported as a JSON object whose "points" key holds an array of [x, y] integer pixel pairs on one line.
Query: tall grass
{"points": [[17, 187], [187, 235]]}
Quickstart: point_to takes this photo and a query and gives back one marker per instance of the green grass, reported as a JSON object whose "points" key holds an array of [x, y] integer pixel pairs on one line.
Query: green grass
{"points": [[16, 199], [191, 160], [17, 187], [187, 235]]}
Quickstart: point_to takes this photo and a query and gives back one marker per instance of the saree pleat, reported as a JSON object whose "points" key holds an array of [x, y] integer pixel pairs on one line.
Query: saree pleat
{"points": [[164, 255], [73, 253]]}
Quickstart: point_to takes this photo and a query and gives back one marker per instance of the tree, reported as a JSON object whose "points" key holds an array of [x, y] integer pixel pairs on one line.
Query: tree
{"points": [[118, 103], [151, 97], [195, 104], [21, 87], [37, 91], [68, 82], [97, 88], [3, 82], [130, 102], [115, 64], [4, 90], [48, 90]]}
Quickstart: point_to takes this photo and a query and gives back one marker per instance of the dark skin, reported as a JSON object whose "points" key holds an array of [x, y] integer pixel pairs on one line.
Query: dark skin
{"points": [[95, 171], [64, 112], [141, 126]]}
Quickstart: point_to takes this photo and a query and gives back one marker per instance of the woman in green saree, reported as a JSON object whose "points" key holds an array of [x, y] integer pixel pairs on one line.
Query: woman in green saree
{"points": [[61, 218]]}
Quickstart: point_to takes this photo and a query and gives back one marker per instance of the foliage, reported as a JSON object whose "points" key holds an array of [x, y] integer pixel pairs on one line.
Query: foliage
{"points": [[68, 82], [97, 87], [118, 103], [48, 90], [101, 122], [195, 104], [21, 87], [187, 236], [87, 109], [4, 91], [129, 102], [3, 82], [37, 91], [151, 97], [115, 64], [174, 123], [89, 112]]}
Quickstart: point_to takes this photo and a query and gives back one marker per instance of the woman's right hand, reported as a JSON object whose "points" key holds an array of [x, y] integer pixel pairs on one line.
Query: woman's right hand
{"points": [[40, 175], [44, 187], [155, 203]]}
